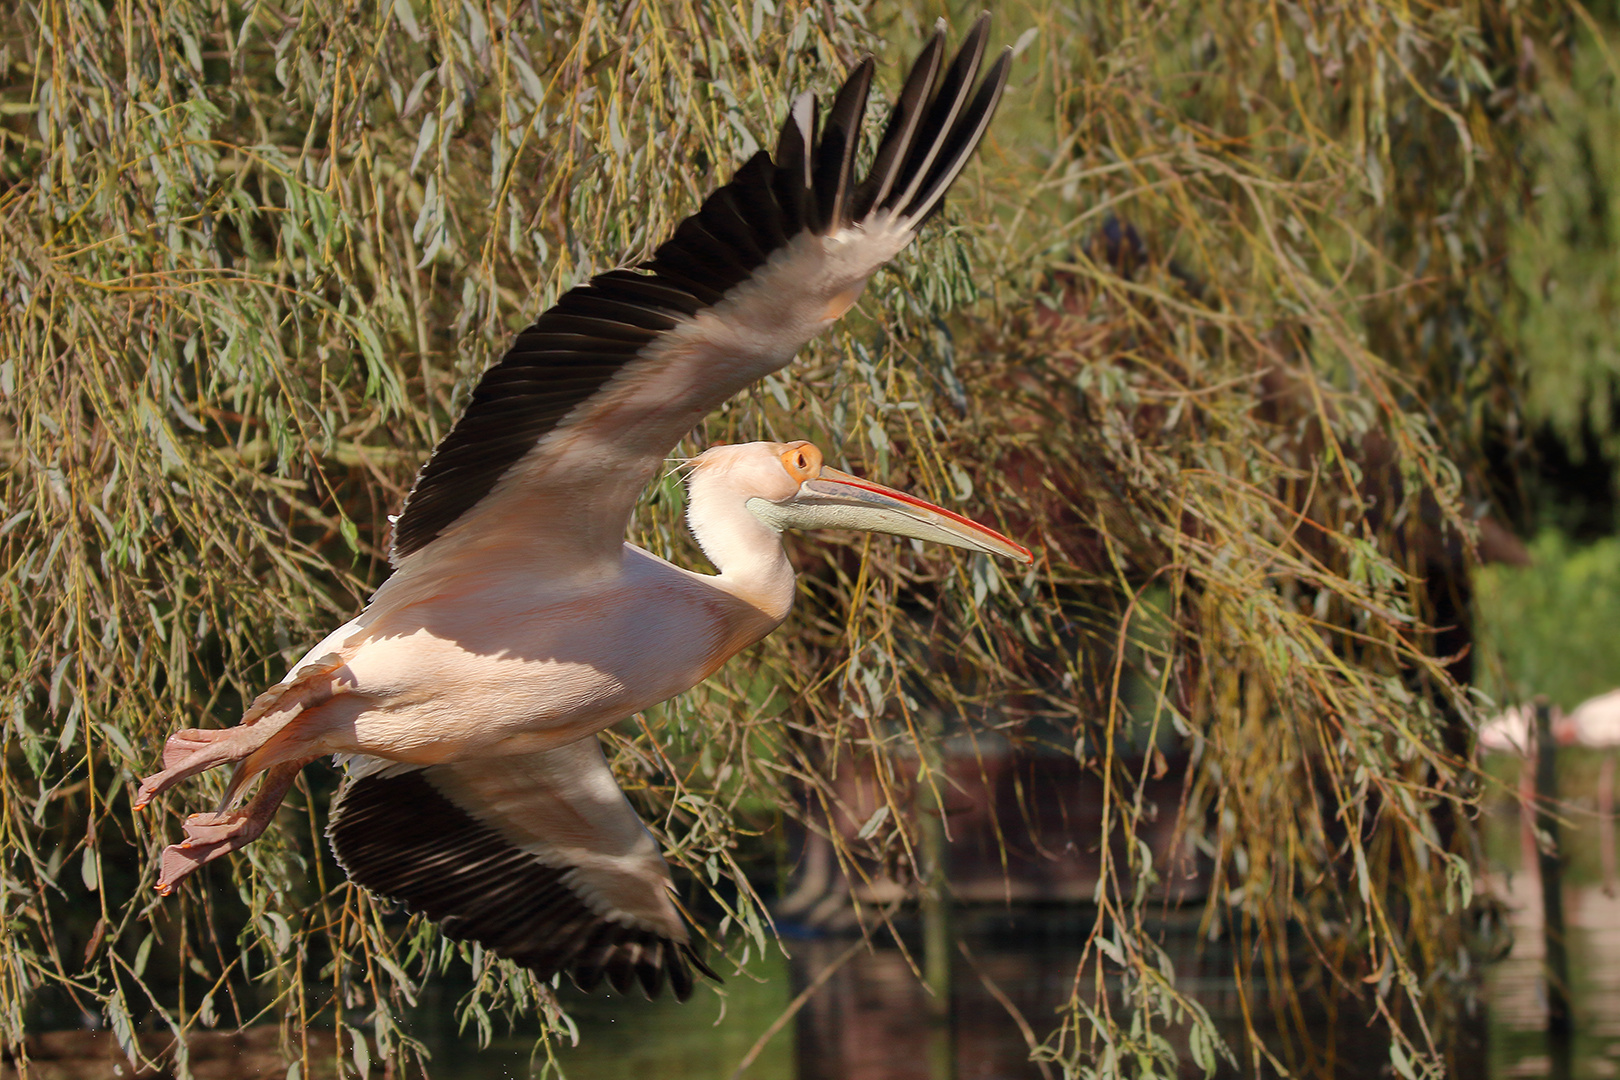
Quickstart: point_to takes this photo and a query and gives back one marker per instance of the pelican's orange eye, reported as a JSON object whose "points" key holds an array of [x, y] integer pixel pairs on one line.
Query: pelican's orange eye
{"points": [[802, 461]]}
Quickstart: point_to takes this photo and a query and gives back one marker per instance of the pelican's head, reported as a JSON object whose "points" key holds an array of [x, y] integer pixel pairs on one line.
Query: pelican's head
{"points": [[788, 486]]}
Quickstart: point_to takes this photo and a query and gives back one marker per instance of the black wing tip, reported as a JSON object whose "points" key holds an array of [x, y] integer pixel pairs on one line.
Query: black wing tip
{"points": [[978, 33], [646, 958], [795, 141], [934, 129], [680, 976], [862, 71], [957, 113], [833, 175], [691, 954], [962, 141]]}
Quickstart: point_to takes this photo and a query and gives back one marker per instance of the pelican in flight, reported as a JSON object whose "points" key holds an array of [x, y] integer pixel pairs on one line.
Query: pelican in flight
{"points": [[518, 623]]}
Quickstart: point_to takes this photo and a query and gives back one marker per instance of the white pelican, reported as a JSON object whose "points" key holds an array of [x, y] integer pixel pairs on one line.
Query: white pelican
{"points": [[1595, 723], [1511, 731], [518, 623]]}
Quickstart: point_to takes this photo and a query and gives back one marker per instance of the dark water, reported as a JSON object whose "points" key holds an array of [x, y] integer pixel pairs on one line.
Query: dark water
{"points": [[1518, 1002], [1515, 987], [870, 1019], [634, 1039]]}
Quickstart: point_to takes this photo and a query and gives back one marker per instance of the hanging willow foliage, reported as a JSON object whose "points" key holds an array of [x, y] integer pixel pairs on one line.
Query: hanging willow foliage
{"points": [[1194, 326]]}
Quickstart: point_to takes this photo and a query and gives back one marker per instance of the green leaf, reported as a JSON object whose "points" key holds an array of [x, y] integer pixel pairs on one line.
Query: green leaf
{"points": [[143, 954], [873, 823], [1402, 1063], [361, 1052]]}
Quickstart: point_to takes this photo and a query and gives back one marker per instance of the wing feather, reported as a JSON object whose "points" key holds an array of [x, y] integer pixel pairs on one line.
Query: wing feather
{"points": [[752, 192], [614, 310], [946, 101], [902, 126], [562, 434], [963, 139], [835, 154], [795, 148], [650, 292], [724, 220], [537, 857]]}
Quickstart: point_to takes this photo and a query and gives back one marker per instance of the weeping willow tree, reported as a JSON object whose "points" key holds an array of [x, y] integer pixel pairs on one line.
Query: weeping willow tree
{"points": [[1195, 326]]}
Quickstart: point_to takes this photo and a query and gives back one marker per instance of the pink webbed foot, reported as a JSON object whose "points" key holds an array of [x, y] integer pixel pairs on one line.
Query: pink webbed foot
{"points": [[207, 840], [208, 836], [205, 829], [178, 861]]}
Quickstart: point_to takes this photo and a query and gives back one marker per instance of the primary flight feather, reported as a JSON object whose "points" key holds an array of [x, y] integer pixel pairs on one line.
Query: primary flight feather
{"points": [[518, 623]]}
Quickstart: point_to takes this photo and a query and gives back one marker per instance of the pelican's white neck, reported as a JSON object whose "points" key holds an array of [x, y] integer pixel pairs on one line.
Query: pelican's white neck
{"points": [[748, 553]]}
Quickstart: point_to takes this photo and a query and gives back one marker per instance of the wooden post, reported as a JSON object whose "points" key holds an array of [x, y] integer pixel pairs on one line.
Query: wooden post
{"points": [[1606, 821], [939, 933], [1550, 864]]}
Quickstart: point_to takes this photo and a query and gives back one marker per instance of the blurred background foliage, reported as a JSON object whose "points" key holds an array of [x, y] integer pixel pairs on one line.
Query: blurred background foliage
{"points": [[1548, 629], [1563, 256], [1248, 315]]}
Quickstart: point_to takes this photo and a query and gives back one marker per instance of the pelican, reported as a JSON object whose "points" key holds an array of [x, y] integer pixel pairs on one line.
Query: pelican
{"points": [[467, 695]]}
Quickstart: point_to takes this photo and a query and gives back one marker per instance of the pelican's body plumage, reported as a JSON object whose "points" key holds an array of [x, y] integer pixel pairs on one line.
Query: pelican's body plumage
{"points": [[502, 666], [466, 697]]}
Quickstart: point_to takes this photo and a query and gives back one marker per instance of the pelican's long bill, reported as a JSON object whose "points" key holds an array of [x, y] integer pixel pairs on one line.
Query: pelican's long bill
{"points": [[837, 500]]}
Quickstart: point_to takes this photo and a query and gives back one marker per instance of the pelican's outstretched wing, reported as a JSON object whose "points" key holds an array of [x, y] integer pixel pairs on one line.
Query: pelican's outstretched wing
{"points": [[561, 435], [537, 857]]}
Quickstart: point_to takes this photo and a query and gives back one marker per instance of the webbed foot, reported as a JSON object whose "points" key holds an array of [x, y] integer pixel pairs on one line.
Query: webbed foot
{"points": [[208, 836]]}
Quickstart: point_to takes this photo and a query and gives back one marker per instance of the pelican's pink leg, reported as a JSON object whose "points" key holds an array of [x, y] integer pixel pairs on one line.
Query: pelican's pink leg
{"points": [[193, 750], [208, 836]]}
